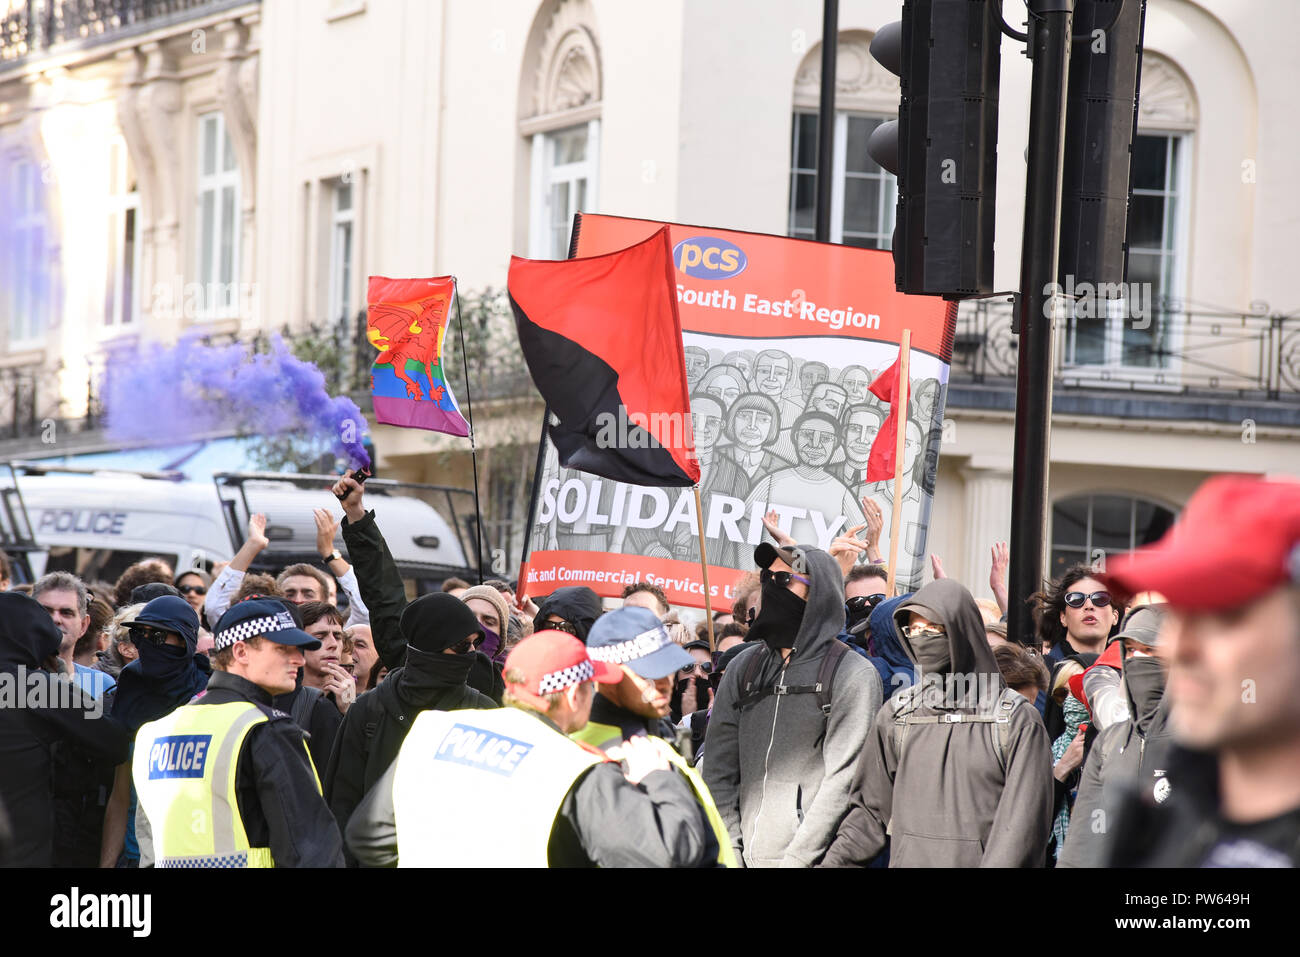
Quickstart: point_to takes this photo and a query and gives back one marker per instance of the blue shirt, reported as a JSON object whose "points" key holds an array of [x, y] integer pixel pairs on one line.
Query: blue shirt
{"points": [[94, 683]]}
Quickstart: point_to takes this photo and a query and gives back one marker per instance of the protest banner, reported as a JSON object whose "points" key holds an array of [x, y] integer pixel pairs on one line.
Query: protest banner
{"points": [[782, 339]]}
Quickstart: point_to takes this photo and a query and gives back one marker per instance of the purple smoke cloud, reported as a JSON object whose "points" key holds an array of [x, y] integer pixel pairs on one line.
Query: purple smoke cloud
{"points": [[169, 394]]}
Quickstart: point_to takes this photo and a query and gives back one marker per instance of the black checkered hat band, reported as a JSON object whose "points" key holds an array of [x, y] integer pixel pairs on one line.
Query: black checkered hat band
{"points": [[646, 643], [245, 630], [572, 675]]}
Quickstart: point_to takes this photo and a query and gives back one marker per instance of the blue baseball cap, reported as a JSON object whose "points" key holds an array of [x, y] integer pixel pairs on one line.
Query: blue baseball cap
{"points": [[171, 613], [261, 618], [635, 637]]}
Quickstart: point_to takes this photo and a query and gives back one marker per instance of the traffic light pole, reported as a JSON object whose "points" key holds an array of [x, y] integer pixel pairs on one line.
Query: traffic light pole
{"points": [[1049, 46], [826, 117]]}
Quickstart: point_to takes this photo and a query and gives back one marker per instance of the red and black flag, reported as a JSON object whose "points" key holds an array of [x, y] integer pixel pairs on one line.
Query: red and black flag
{"points": [[603, 342]]}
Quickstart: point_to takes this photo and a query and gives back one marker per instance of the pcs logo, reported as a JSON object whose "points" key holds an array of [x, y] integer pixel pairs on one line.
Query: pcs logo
{"points": [[707, 257]]}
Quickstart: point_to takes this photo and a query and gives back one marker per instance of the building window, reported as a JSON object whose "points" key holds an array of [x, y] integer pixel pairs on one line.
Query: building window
{"points": [[218, 201], [1137, 334], [29, 276], [563, 183], [122, 273], [863, 195], [342, 222], [1089, 528]]}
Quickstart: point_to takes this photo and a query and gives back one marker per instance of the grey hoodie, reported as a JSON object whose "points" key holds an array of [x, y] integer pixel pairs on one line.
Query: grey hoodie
{"points": [[780, 771], [948, 802]]}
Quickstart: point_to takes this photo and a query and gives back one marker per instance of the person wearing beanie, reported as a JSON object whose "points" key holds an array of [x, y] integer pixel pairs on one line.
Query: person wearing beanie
{"points": [[167, 674], [493, 615], [544, 799], [441, 635]]}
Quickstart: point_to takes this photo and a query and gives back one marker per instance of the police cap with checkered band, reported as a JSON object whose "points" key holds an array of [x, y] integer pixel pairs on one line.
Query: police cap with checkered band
{"points": [[551, 661], [261, 618], [635, 637]]}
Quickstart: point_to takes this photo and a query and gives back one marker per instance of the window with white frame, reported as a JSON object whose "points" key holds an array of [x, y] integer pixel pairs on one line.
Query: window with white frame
{"points": [[342, 225], [1137, 334], [29, 287], [218, 209], [122, 265], [564, 182], [863, 195]]}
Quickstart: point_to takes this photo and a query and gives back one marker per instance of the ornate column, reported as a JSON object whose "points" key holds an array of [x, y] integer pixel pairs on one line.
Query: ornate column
{"points": [[988, 520]]}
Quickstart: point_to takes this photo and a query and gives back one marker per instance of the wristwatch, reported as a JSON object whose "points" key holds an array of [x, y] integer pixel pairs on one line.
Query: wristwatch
{"points": [[333, 556]]}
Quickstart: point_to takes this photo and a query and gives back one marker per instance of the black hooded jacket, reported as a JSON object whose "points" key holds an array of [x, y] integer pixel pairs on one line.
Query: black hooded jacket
{"points": [[576, 604], [39, 713]]}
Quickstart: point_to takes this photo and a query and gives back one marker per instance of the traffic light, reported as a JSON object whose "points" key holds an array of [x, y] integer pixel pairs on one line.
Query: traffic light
{"points": [[1100, 119], [943, 147]]}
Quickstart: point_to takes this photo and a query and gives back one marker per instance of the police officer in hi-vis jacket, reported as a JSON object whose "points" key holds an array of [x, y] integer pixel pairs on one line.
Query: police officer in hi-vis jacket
{"points": [[226, 780]]}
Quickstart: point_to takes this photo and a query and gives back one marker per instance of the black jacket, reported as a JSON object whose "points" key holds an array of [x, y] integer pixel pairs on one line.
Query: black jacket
{"points": [[376, 725], [56, 717], [604, 821], [322, 724], [1179, 825], [279, 802]]}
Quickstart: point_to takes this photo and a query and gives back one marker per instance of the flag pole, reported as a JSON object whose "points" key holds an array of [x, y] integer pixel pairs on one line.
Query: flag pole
{"points": [[704, 568], [473, 451], [900, 446]]}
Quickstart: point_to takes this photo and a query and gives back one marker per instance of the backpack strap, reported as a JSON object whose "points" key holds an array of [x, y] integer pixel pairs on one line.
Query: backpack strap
{"points": [[302, 705], [748, 694], [826, 675], [999, 723]]}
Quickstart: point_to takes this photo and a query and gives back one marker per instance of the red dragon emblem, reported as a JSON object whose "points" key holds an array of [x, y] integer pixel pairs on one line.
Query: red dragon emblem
{"points": [[403, 331]]}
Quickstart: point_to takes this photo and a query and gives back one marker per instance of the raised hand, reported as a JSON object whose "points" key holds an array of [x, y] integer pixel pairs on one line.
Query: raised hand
{"points": [[937, 564], [998, 576], [771, 522], [348, 491], [846, 548], [327, 527], [257, 531], [875, 521]]}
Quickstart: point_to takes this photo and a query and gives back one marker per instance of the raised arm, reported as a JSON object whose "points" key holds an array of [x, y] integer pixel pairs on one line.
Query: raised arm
{"points": [[380, 582]]}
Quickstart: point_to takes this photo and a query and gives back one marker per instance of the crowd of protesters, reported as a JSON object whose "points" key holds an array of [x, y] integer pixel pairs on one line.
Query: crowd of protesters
{"points": [[817, 721]]}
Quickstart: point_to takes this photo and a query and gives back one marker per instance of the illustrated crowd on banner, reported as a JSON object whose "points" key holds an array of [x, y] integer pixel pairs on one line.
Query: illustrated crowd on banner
{"points": [[771, 429]]}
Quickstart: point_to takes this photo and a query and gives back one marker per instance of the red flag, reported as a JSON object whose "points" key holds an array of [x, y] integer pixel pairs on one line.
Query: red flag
{"points": [[880, 464], [603, 343]]}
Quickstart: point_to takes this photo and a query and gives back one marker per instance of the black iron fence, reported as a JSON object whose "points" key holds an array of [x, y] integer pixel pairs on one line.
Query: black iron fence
{"points": [[36, 27], [1173, 349]]}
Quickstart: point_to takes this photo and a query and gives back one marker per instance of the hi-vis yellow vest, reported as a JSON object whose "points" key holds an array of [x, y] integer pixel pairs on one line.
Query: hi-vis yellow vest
{"points": [[606, 736], [184, 772], [506, 766]]}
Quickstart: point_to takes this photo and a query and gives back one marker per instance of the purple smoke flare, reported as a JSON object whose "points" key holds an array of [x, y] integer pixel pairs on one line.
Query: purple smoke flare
{"points": [[170, 394]]}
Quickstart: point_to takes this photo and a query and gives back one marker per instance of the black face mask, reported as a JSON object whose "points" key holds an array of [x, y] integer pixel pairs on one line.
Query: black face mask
{"points": [[161, 662], [1145, 678], [779, 618]]}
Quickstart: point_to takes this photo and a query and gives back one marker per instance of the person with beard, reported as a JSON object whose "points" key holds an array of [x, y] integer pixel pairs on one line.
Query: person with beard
{"points": [[167, 674], [635, 641], [573, 610], [227, 780], [782, 751], [55, 713], [959, 770], [1125, 752]]}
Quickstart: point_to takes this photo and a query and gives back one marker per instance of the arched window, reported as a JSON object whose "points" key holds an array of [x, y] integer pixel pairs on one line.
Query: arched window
{"points": [[1137, 334], [560, 92], [863, 196], [1088, 528]]}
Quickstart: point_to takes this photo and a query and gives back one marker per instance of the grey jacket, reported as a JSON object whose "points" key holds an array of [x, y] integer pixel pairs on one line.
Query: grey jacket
{"points": [[780, 770], [1124, 756], [949, 800]]}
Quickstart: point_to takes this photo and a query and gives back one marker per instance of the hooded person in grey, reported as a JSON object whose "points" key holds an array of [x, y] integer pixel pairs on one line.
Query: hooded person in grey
{"points": [[1125, 754], [780, 769], [959, 769]]}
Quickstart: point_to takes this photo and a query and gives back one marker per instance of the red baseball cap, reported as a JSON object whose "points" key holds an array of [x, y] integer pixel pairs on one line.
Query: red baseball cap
{"points": [[1237, 540], [553, 661]]}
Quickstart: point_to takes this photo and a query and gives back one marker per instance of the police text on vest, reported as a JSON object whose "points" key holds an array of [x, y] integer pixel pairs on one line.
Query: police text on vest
{"points": [[485, 750]]}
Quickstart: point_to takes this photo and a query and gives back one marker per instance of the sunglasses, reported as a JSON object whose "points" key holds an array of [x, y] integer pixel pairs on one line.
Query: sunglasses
{"points": [[862, 602], [196, 589], [705, 666], [563, 626], [465, 647], [1076, 599], [923, 631], [142, 633], [782, 579]]}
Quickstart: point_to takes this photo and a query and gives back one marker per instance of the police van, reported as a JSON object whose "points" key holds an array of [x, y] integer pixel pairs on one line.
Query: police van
{"points": [[97, 522]]}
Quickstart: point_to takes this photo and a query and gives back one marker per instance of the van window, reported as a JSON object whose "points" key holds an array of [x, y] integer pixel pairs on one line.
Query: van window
{"points": [[99, 564]]}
